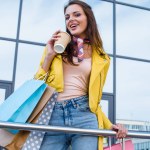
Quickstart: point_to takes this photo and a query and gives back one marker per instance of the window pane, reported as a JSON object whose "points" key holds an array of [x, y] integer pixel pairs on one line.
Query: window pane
{"points": [[8, 17], [41, 18], [7, 52], [2, 95], [133, 32], [143, 3], [28, 62], [108, 87], [133, 91], [105, 22], [104, 106]]}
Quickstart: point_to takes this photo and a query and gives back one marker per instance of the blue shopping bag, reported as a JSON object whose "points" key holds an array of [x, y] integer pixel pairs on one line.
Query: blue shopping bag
{"points": [[20, 104]]}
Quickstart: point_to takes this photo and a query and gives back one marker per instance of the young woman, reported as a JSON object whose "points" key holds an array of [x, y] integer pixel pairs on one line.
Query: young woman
{"points": [[79, 77]]}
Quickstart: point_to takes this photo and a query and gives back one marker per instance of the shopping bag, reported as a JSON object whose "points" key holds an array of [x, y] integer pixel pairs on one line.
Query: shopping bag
{"points": [[128, 145], [20, 138], [20, 104], [41, 104]]}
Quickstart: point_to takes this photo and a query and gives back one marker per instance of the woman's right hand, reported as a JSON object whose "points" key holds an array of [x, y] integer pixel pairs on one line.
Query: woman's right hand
{"points": [[50, 44], [121, 131]]}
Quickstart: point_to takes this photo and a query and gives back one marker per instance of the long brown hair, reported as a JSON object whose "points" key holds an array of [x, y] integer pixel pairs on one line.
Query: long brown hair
{"points": [[92, 32]]}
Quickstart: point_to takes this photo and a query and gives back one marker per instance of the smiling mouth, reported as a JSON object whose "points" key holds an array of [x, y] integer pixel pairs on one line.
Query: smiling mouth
{"points": [[73, 26]]}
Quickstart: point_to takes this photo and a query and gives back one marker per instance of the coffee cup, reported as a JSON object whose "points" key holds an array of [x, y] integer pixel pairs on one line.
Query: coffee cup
{"points": [[62, 42]]}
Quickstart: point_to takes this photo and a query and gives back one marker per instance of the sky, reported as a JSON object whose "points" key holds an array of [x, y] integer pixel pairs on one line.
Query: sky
{"points": [[40, 19]]}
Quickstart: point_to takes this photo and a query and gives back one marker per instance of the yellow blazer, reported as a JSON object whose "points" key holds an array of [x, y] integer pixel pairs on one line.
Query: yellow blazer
{"points": [[100, 65]]}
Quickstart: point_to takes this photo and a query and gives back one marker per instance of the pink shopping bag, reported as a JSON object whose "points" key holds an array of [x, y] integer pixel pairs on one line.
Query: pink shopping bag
{"points": [[128, 145]]}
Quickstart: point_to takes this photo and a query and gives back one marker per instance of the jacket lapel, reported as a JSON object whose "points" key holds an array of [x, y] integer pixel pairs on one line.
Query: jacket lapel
{"points": [[98, 64]]}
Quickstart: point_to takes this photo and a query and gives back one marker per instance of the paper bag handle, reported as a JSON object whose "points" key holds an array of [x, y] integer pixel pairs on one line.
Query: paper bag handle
{"points": [[45, 77], [122, 143]]}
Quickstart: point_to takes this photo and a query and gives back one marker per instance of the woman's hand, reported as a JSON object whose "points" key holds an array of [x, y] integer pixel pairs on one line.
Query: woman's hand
{"points": [[50, 44], [120, 129]]}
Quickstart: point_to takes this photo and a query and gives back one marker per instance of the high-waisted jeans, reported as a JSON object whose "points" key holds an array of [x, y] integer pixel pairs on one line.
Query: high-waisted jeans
{"points": [[71, 113]]}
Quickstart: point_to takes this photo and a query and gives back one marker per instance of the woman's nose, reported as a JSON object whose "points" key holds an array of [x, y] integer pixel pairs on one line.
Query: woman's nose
{"points": [[71, 18]]}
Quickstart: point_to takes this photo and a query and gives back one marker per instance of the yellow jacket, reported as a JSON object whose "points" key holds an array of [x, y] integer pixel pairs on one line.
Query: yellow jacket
{"points": [[100, 65]]}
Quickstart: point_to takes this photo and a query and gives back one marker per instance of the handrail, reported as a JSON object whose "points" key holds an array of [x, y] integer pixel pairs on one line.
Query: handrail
{"points": [[46, 128]]}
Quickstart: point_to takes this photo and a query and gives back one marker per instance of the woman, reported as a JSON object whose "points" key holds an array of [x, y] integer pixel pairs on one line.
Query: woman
{"points": [[79, 79]]}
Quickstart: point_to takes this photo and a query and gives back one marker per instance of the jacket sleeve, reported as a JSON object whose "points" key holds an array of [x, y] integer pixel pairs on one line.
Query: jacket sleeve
{"points": [[106, 122], [40, 74]]}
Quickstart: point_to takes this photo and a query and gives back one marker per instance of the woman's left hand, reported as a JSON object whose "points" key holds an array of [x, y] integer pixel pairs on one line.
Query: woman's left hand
{"points": [[120, 129]]}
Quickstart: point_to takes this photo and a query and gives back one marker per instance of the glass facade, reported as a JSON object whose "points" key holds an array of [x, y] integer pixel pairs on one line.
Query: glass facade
{"points": [[7, 53], [132, 35], [27, 54], [2, 95], [9, 11], [26, 25]]}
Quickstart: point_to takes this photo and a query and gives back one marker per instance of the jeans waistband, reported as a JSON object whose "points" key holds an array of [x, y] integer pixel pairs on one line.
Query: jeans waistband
{"points": [[73, 101]]}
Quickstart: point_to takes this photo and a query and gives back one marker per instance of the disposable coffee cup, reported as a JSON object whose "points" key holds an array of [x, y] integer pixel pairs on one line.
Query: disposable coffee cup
{"points": [[61, 44]]}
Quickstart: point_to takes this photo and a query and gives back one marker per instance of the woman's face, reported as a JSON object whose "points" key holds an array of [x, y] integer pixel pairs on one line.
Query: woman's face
{"points": [[76, 20]]}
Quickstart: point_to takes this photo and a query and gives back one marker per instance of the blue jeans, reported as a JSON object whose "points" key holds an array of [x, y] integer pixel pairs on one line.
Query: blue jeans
{"points": [[71, 113]]}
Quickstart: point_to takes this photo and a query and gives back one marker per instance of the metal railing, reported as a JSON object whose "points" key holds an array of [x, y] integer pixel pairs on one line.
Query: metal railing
{"points": [[93, 132]]}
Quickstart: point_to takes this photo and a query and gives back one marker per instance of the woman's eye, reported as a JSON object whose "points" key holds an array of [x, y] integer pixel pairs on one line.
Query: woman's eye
{"points": [[67, 18], [78, 14]]}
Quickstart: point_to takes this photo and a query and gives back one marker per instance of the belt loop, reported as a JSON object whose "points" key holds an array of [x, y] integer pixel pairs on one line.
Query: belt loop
{"points": [[73, 103], [64, 104]]}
